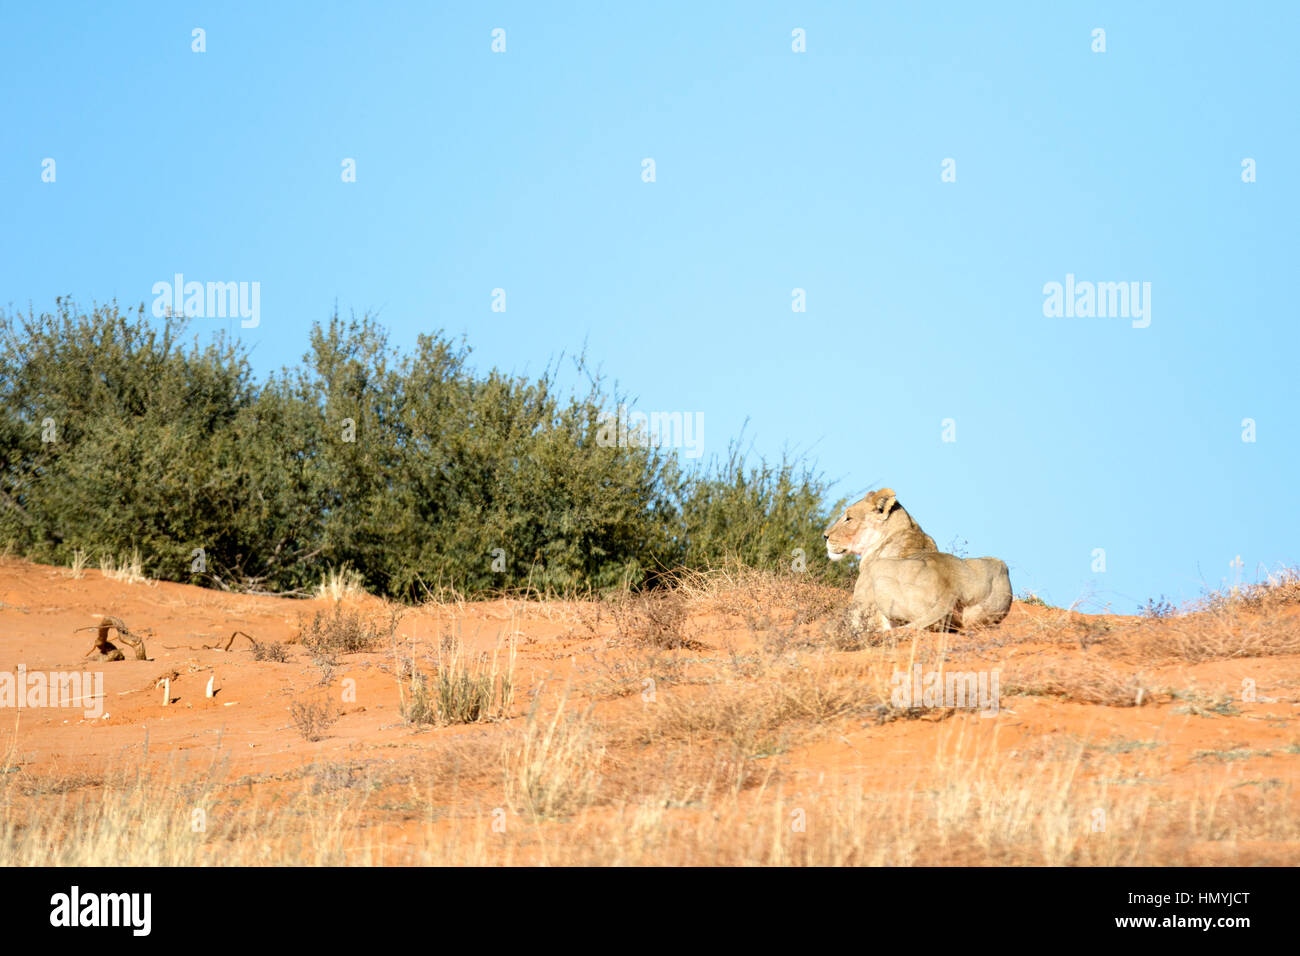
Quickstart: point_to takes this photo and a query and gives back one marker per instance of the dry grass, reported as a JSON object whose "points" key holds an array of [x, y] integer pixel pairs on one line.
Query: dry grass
{"points": [[1253, 621], [1261, 620], [553, 769], [765, 704], [1223, 633], [759, 597], [1087, 680], [1069, 803], [127, 569], [339, 583], [463, 689], [665, 753], [622, 669], [346, 630], [78, 567], [269, 651], [786, 707], [1279, 590], [178, 814], [653, 618]]}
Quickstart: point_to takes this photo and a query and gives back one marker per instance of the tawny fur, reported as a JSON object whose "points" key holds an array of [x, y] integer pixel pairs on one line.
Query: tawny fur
{"points": [[904, 580]]}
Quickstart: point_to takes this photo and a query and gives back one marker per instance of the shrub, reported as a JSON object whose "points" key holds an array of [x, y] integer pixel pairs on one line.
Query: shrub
{"points": [[270, 651], [344, 630], [656, 618], [767, 516], [313, 717], [119, 436]]}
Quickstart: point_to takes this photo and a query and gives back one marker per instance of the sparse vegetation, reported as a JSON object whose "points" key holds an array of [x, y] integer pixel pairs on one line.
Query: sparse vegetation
{"points": [[657, 618], [553, 768], [128, 568], [578, 804], [347, 630], [1236, 753], [333, 777], [464, 688], [1158, 610], [843, 634], [1279, 590], [1088, 680], [338, 583], [313, 717], [1203, 705], [1121, 745], [760, 596], [269, 651], [78, 566], [664, 755]]}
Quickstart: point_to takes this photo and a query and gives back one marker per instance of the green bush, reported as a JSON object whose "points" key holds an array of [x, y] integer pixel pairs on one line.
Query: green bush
{"points": [[768, 516], [118, 433]]}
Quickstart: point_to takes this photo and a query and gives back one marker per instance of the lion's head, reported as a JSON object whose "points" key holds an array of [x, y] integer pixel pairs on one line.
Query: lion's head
{"points": [[868, 524]]}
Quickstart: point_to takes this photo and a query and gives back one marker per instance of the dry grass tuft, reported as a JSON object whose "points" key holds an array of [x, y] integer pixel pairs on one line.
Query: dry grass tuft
{"points": [[553, 769], [1088, 680], [621, 670], [127, 569], [1254, 621], [786, 703], [840, 633], [339, 583], [78, 568], [1280, 590], [653, 618], [464, 689], [760, 597], [1218, 635]]}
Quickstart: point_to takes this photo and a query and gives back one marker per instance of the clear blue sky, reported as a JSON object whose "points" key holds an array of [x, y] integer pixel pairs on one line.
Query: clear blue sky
{"points": [[774, 170]]}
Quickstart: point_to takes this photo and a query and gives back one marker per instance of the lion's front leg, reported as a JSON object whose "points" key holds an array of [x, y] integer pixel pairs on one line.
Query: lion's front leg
{"points": [[866, 618], [864, 613]]}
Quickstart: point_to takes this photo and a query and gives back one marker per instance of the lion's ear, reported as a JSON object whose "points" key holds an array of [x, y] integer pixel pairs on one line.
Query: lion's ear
{"points": [[885, 500]]}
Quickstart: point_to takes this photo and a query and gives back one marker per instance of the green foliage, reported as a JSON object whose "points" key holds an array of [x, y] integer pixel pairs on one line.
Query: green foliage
{"points": [[758, 516], [118, 433]]}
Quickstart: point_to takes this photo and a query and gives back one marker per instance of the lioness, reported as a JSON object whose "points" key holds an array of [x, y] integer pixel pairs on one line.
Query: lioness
{"points": [[905, 580]]}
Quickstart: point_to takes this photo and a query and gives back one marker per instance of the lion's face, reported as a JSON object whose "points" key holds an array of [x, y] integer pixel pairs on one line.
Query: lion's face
{"points": [[861, 526]]}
